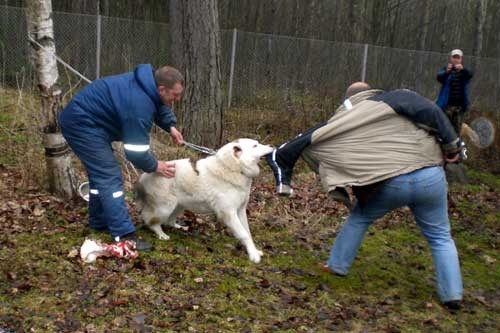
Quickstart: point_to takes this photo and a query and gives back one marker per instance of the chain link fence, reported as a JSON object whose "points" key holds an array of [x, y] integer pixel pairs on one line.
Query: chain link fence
{"points": [[100, 46], [325, 68], [290, 78]]}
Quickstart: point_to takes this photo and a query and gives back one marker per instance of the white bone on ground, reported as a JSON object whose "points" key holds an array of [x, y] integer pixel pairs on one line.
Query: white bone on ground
{"points": [[90, 250]]}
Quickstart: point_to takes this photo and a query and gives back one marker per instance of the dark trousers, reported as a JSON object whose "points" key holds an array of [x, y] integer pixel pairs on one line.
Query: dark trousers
{"points": [[107, 208], [456, 114], [455, 173]]}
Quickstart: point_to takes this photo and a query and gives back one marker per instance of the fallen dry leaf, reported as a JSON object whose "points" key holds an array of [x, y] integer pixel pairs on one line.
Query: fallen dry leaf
{"points": [[38, 211], [489, 260], [73, 253]]}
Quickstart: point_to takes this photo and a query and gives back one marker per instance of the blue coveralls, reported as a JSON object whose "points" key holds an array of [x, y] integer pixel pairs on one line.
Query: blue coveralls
{"points": [[116, 108]]}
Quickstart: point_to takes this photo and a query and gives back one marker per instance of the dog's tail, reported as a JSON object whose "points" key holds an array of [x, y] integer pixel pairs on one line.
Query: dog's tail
{"points": [[474, 138], [139, 196]]}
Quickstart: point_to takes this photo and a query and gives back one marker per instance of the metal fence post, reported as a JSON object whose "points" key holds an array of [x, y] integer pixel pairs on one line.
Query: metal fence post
{"points": [[98, 44], [365, 60], [231, 71]]}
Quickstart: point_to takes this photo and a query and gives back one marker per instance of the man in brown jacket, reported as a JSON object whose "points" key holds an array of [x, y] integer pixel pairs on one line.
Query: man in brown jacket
{"points": [[373, 143]]}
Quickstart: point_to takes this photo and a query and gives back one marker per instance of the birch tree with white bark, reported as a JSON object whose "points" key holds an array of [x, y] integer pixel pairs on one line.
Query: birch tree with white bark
{"points": [[60, 174]]}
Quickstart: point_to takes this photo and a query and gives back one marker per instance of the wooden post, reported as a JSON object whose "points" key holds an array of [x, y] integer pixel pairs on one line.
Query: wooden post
{"points": [[98, 44], [231, 71], [365, 61]]}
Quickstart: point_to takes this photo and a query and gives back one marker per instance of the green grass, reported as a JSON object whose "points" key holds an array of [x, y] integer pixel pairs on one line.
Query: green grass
{"points": [[390, 287], [484, 178]]}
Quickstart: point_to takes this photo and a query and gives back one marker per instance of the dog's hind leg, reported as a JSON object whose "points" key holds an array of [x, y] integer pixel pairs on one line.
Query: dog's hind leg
{"points": [[233, 222], [155, 225], [153, 222], [172, 219]]}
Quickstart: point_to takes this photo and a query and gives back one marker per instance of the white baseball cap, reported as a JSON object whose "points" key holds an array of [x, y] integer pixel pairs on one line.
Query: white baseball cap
{"points": [[457, 52]]}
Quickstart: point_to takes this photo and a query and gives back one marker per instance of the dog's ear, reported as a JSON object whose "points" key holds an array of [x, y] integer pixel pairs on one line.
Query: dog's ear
{"points": [[237, 151]]}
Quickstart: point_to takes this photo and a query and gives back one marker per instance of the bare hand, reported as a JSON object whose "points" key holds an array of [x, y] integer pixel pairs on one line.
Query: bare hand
{"points": [[166, 169], [459, 67], [448, 68], [176, 135], [449, 158]]}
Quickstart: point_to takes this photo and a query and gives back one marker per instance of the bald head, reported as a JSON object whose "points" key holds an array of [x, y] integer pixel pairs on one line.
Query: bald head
{"points": [[355, 88]]}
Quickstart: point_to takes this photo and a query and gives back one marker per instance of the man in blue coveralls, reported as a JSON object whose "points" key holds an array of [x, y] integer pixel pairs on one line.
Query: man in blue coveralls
{"points": [[121, 108]]}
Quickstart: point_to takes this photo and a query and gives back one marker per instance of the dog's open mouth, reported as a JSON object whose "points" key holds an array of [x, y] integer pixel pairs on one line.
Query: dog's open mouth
{"points": [[264, 157]]}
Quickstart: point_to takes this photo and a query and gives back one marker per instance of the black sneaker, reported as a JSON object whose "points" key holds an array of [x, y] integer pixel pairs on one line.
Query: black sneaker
{"points": [[140, 244], [282, 175], [453, 305]]}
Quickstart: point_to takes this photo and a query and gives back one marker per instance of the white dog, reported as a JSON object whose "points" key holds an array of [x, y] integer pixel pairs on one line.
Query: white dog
{"points": [[217, 184]]}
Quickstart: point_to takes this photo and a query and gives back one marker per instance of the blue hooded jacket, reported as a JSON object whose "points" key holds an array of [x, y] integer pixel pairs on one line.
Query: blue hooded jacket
{"points": [[444, 93], [125, 106]]}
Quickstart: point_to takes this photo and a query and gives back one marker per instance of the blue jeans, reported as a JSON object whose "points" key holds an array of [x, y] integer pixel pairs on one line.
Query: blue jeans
{"points": [[425, 192]]}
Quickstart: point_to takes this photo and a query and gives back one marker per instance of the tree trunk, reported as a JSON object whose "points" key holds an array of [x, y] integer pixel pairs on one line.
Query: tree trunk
{"points": [[195, 50], [424, 24], [443, 26], [61, 176], [480, 17]]}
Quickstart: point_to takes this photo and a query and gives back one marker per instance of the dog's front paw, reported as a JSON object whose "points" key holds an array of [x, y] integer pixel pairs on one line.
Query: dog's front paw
{"points": [[260, 252], [254, 256], [164, 236]]}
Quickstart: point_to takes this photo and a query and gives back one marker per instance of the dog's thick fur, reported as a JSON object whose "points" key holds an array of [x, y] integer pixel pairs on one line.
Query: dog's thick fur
{"points": [[217, 184]]}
